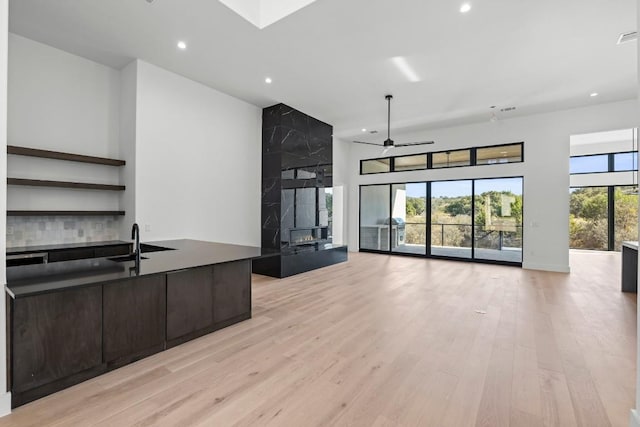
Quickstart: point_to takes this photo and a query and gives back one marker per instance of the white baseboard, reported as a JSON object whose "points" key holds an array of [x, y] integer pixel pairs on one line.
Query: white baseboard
{"points": [[5, 404], [546, 267], [634, 419]]}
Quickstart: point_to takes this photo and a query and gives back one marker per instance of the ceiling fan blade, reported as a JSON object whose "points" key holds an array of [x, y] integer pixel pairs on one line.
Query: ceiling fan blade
{"points": [[386, 149], [368, 143], [407, 144]]}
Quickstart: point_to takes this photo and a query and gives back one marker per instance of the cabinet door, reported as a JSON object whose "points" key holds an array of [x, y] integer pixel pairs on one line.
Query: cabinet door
{"points": [[55, 336], [134, 319], [232, 291], [189, 302]]}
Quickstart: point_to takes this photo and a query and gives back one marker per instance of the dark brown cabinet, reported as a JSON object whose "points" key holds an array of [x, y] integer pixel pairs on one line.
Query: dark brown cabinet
{"points": [[56, 341], [134, 316], [232, 291], [189, 304], [64, 337]]}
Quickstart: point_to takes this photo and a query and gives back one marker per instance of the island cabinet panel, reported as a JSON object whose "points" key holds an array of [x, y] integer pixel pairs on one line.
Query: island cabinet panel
{"points": [[134, 316], [56, 341], [189, 304], [232, 292]]}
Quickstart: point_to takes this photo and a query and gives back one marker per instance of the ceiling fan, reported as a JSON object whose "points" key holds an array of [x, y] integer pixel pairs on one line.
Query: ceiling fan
{"points": [[388, 144]]}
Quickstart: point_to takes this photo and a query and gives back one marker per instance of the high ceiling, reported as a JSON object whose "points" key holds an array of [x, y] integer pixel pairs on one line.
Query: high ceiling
{"points": [[332, 59]]}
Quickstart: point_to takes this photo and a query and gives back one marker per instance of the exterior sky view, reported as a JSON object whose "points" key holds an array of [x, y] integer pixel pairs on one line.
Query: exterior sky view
{"points": [[600, 163], [463, 188]]}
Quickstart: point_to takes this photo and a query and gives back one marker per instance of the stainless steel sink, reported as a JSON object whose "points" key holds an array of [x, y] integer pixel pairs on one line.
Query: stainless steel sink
{"points": [[124, 258]]}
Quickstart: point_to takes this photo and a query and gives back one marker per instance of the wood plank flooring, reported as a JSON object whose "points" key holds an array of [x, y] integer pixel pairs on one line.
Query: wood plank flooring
{"points": [[389, 341]]}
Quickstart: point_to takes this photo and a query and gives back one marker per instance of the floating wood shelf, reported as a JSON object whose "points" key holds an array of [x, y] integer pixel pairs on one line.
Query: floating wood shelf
{"points": [[63, 184], [46, 154], [65, 213]]}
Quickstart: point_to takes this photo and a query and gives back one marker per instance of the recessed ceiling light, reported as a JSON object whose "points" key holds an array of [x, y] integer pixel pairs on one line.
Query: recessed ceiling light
{"points": [[364, 130], [182, 45], [466, 7], [594, 94], [268, 80]]}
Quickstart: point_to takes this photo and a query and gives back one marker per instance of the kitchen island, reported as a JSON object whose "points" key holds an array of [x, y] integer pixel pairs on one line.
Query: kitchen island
{"points": [[73, 320]]}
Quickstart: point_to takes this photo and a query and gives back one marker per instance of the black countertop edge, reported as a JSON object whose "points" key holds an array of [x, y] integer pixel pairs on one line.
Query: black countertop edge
{"points": [[17, 250], [30, 280]]}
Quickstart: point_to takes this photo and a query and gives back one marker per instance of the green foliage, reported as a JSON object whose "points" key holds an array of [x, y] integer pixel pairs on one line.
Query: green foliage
{"points": [[589, 203], [329, 202], [416, 206], [588, 222], [495, 198], [588, 234], [461, 206]]}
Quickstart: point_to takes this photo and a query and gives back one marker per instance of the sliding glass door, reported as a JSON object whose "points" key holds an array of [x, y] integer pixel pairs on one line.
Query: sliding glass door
{"points": [[477, 219], [374, 217], [451, 218], [409, 218], [498, 219]]}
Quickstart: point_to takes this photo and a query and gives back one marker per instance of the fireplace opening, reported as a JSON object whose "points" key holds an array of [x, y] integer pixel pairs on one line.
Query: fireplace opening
{"points": [[308, 235]]}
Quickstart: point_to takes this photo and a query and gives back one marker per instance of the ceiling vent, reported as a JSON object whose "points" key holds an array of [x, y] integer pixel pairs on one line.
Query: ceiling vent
{"points": [[507, 109], [628, 37]]}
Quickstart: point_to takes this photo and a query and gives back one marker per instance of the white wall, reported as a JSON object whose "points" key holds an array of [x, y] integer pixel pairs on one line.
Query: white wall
{"points": [[545, 170], [604, 179], [61, 102], [616, 141], [128, 103], [5, 397], [198, 161], [341, 176]]}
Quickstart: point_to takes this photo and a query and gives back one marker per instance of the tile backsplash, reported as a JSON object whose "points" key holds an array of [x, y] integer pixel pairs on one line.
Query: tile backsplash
{"points": [[51, 230]]}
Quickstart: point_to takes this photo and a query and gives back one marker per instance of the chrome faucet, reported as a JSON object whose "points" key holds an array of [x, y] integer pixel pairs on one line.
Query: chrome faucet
{"points": [[135, 234]]}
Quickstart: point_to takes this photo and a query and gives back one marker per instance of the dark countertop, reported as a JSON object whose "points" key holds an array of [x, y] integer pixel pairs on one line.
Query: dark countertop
{"points": [[46, 248], [36, 279]]}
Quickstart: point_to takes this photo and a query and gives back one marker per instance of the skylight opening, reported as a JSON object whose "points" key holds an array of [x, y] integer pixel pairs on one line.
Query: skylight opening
{"points": [[263, 13]]}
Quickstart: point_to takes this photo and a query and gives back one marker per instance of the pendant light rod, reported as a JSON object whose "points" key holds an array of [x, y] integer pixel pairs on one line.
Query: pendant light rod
{"points": [[388, 98]]}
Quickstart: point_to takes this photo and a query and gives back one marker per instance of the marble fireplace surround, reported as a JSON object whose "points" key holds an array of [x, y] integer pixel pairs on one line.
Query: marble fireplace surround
{"points": [[297, 161]]}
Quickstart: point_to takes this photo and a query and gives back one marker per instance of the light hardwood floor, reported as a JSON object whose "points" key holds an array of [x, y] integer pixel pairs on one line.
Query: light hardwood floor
{"points": [[389, 341]]}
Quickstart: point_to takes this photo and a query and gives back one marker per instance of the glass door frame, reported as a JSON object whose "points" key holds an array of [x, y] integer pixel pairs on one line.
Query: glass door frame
{"points": [[428, 253]]}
